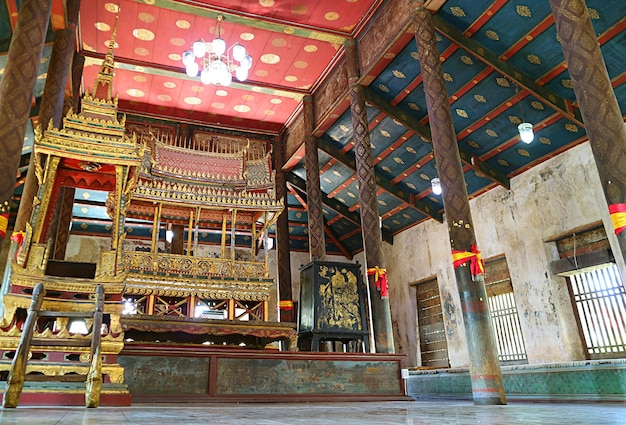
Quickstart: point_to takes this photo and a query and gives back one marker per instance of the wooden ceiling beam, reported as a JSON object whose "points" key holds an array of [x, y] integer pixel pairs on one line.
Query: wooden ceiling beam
{"points": [[348, 160], [251, 20], [491, 59], [335, 205], [424, 132]]}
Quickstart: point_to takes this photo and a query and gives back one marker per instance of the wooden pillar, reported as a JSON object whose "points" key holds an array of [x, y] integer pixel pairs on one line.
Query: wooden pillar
{"points": [[317, 242], [368, 206], [484, 367], [286, 311], [598, 105], [16, 91]]}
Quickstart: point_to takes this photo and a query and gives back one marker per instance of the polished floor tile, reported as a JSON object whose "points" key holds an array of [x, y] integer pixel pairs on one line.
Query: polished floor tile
{"points": [[383, 413]]}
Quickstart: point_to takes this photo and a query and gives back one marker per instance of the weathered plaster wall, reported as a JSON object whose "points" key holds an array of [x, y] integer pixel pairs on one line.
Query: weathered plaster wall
{"points": [[554, 197]]}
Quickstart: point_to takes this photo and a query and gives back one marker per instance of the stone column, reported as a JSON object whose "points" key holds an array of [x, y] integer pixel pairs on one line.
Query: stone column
{"points": [[282, 239], [16, 91], [368, 207], [317, 242], [598, 105], [484, 367]]}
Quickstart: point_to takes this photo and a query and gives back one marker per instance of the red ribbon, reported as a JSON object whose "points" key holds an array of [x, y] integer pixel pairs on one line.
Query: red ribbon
{"points": [[618, 217], [380, 276], [4, 223], [473, 257], [285, 305]]}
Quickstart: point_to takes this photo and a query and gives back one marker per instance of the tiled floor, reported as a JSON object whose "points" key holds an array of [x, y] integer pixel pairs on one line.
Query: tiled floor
{"points": [[407, 413]]}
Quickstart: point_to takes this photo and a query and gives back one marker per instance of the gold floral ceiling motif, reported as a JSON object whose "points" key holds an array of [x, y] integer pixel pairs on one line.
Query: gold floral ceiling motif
{"points": [[503, 163], [385, 133], [491, 133], [534, 59], [461, 113], [567, 83], [492, 35], [467, 60], [537, 105], [523, 152], [413, 106], [410, 149], [545, 140], [515, 119], [383, 88], [523, 11], [398, 74], [398, 160], [503, 82], [457, 11], [473, 144], [480, 98], [448, 77], [571, 127]]}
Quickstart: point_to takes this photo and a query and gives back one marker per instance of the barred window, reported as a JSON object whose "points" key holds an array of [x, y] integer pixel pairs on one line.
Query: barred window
{"points": [[596, 290], [504, 316]]}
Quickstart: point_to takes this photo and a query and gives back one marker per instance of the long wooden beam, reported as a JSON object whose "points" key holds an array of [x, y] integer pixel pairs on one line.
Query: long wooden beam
{"points": [[348, 160], [424, 132], [491, 59], [335, 205]]}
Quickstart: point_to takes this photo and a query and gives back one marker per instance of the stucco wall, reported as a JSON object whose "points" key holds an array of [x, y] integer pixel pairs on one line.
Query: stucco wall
{"points": [[554, 197]]}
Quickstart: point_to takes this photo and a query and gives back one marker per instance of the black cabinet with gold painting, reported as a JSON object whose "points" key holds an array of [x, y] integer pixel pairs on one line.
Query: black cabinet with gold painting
{"points": [[332, 308]]}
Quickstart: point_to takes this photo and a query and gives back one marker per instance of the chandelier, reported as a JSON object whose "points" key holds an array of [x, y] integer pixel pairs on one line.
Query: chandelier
{"points": [[216, 66]]}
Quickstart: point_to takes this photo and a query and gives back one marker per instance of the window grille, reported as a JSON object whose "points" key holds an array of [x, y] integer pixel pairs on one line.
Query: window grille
{"points": [[504, 315], [601, 310]]}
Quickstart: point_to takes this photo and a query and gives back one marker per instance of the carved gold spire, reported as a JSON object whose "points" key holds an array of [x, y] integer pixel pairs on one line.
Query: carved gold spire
{"points": [[102, 87]]}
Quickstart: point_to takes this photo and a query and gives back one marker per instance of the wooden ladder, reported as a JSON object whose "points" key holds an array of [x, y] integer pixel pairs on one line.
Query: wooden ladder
{"points": [[93, 378]]}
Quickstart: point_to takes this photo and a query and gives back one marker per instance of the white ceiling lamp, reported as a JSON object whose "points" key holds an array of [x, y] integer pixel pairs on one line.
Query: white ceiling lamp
{"points": [[435, 184], [525, 128], [214, 63]]}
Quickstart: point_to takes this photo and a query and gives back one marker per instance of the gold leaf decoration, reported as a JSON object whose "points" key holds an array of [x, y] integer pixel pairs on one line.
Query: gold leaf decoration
{"points": [[410, 149], [396, 222], [571, 127], [411, 186], [457, 11], [424, 177], [344, 128], [398, 74], [448, 77], [473, 144], [413, 106], [491, 133], [537, 105], [467, 60], [385, 133], [343, 201], [351, 195], [593, 14], [415, 56], [336, 173], [534, 59], [523, 11], [383, 88], [523, 152], [461, 113], [398, 160], [503, 163], [567, 83], [386, 169], [480, 98], [545, 140], [515, 119], [503, 82], [492, 35], [381, 202], [373, 146]]}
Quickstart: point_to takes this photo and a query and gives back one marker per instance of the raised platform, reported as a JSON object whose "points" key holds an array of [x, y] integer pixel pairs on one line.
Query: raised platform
{"points": [[590, 380], [177, 373]]}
